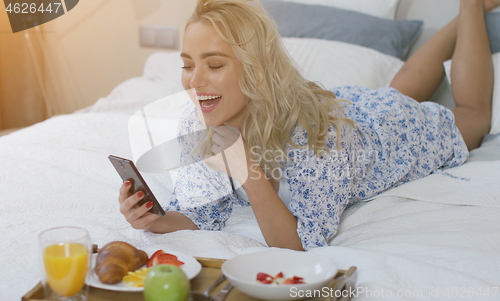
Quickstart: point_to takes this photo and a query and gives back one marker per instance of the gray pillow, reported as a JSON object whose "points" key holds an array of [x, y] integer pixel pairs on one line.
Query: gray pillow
{"points": [[296, 20], [493, 27]]}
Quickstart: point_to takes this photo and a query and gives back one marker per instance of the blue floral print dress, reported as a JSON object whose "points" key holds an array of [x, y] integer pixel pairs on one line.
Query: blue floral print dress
{"points": [[396, 140]]}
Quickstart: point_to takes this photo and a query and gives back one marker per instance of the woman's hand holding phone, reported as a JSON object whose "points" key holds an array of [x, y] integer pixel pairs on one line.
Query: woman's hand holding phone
{"points": [[137, 216], [139, 212]]}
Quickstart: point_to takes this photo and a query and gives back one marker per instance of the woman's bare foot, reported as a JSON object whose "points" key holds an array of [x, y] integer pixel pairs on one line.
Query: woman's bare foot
{"points": [[491, 4]]}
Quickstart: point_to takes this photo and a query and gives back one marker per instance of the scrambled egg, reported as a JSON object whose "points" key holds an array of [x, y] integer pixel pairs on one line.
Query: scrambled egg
{"points": [[136, 279]]}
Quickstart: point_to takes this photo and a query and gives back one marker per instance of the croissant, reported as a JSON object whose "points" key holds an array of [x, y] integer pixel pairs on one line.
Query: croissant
{"points": [[116, 259]]}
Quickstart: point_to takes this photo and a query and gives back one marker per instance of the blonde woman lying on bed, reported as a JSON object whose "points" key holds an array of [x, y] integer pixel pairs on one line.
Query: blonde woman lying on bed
{"points": [[308, 152]]}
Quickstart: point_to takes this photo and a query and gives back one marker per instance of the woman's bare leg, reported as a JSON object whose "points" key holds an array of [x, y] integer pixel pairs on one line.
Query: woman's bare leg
{"points": [[472, 70], [490, 4], [423, 72], [472, 74]]}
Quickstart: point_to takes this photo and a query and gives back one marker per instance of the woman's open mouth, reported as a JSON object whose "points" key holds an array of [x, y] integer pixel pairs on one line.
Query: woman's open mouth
{"points": [[208, 103]]}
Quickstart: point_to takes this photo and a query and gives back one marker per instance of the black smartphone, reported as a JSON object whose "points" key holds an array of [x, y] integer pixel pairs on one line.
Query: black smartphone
{"points": [[128, 172]]}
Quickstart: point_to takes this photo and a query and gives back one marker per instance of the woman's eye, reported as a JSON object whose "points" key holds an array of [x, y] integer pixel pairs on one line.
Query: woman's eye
{"points": [[187, 67], [215, 67]]}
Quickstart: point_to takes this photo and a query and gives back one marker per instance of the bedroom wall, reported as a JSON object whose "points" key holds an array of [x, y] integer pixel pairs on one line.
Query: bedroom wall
{"points": [[95, 47], [19, 90], [83, 55]]}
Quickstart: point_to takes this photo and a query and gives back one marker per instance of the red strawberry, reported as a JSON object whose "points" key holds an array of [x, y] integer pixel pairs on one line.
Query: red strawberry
{"points": [[160, 257], [294, 280], [264, 278], [152, 259], [167, 258]]}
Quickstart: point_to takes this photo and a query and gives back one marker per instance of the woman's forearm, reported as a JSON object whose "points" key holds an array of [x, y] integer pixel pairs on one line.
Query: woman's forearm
{"points": [[276, 222], [172, 221]]}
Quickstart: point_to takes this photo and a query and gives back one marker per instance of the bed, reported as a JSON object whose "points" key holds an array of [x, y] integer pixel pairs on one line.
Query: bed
{"points": [[435, 238]]}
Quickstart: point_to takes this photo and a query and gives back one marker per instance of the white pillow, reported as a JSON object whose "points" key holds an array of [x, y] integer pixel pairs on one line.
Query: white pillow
{"points": [[164, 66], [495, 116], [378, 8], [134, 93], [334, 63], [331, 63]]}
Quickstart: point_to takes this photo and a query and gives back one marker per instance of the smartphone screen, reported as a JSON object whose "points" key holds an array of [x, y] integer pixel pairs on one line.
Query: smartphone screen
{"points": [[128, 172]]}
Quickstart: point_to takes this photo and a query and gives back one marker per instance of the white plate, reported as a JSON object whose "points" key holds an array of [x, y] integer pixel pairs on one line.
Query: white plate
{"points": [[242, 270], [191, 268]]}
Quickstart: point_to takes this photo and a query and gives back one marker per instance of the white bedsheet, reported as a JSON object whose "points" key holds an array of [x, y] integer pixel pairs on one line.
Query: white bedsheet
{"points": [[57, 173]]}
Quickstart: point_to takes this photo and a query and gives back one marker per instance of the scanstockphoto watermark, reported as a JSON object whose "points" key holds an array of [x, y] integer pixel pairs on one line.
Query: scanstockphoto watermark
{"points": [[333, 165], [25, 14], [323, 171], [324, 292], [467, 293], [304, 155]]}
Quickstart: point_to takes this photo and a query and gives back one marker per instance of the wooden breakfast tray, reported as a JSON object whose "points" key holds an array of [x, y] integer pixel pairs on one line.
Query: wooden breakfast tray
{"points": [[209, 273]]}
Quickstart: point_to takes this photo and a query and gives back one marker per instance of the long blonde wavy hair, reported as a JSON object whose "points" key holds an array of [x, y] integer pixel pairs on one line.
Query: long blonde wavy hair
{"points": [[279, 98]]}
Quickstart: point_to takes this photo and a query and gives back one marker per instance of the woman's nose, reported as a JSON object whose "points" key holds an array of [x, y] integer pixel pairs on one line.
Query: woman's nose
{"points": [[198, 79]]}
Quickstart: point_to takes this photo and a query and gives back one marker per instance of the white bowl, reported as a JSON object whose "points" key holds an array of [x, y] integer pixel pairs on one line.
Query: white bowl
{"points": [[316, 270]]}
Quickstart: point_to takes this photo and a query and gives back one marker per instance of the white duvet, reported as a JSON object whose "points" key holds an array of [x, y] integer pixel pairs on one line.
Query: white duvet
{"points": [[436, 238]]}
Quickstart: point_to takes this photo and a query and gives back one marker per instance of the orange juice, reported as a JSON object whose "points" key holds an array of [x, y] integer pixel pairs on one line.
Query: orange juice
{"points": [[66, 267]]}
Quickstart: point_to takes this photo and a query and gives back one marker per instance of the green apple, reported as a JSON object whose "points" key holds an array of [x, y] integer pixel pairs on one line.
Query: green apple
{"points": [[166, 282]]}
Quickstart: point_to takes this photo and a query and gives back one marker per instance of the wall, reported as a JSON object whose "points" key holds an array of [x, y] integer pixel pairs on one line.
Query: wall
{"points": [[95, 46], [83, 55], [19, 90]]}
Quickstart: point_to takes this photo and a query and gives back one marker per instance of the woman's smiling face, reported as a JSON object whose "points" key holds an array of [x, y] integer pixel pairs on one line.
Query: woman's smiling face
{"points": [[212, 69]]}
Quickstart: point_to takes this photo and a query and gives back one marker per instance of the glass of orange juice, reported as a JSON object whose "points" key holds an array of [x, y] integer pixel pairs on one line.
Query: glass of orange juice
{"points": [[65, 256]]}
